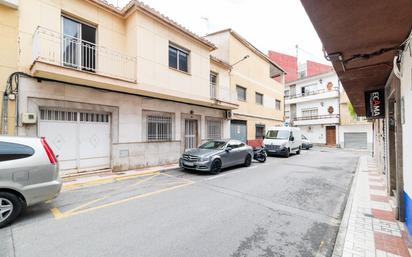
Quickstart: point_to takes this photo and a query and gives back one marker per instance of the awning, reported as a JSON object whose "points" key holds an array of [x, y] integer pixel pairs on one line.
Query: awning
{"points": [[361, 39]]}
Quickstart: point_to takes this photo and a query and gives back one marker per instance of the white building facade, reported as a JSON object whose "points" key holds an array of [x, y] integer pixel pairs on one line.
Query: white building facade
{"points": [[315, 104]]}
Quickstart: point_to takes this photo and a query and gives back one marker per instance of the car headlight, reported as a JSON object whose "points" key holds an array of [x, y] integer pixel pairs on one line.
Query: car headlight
{"points": [[283, 144], [203, 159]]}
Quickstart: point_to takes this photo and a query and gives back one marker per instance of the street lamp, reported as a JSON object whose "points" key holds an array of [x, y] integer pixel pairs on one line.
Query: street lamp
{"points": [[241, 60]]}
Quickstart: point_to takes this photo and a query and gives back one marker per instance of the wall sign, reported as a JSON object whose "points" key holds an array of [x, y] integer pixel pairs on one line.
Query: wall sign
{"points": [[375, 104]]}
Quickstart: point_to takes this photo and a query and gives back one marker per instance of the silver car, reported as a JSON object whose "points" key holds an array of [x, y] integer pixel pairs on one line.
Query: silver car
{"points": [[29, 174], [214, 155]]}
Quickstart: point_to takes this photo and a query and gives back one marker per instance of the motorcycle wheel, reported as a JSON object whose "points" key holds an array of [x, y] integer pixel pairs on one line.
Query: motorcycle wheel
{"points": [[261, 158]]}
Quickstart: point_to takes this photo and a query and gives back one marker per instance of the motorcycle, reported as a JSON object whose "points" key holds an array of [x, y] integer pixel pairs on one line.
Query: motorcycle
{"points": [[259, 154]]}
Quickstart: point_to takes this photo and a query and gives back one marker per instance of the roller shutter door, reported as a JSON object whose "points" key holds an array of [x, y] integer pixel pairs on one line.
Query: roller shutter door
{"points": [[356, 140]]}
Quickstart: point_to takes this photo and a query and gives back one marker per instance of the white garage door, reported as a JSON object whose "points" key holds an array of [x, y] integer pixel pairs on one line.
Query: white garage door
{"points": [[81, 139], [358, 140]]}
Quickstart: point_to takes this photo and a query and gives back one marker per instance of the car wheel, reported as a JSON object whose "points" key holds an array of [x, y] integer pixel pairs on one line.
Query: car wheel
{"points": [[216, 166], [298, 151], [287, 153], [10, 208], [248, 161]]}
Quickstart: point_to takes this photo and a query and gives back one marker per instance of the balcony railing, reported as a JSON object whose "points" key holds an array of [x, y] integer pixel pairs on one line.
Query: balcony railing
{"points": [[317, 117], [66, 51], [314, 92]]}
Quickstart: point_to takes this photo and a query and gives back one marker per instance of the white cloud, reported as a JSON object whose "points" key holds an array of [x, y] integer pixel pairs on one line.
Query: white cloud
{"points": [[268, 24]]}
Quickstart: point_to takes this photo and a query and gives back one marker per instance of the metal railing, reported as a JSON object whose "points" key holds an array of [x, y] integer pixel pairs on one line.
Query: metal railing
{"points": [[313, 92], [63, 50], [316, 117]]}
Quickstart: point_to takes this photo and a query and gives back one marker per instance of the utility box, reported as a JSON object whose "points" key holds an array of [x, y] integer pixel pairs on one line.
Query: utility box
{"points": [[28, 118]]}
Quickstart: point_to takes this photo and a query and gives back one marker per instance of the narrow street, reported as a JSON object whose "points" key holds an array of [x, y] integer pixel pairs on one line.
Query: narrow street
{"points": [[284, 207]]}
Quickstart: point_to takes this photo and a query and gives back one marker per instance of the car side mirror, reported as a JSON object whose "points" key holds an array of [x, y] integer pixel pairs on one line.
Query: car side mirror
{"points": [[264, 137], [292, 138], [228, 148]]}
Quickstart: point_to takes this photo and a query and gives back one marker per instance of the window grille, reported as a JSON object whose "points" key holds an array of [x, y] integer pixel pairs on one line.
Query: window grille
{"points": [[214, 129], [60, 115], [260, 131], [310, 112], [159, 127]]}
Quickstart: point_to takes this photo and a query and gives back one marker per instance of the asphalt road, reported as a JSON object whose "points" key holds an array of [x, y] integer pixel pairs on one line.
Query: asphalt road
{"points": [[284, 207]]}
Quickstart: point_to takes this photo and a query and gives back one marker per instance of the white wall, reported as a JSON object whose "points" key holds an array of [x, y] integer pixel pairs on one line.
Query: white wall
{"points": [[315, 133], [406, 94], [322, 110]]}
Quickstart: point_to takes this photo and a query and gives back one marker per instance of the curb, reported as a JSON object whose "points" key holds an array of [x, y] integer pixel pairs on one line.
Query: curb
{"points": [[340, 238]]}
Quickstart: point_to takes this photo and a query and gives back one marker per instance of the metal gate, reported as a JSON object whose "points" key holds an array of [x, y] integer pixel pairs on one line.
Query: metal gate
{"points": [[238, 130], [356, 140], [190, 134], [81, 139]]}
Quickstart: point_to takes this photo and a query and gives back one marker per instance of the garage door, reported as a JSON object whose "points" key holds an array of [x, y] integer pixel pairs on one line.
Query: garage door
{"points": [[358, 140], [238, 130], [81, 139]]}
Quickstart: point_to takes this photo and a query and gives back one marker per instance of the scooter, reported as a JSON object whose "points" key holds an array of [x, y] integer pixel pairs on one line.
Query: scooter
{"points": [[259, 154]]}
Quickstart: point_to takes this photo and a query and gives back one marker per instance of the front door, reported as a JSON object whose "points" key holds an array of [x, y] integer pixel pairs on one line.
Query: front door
{"points": [[190, 134], [238, 130], [330, 135]]}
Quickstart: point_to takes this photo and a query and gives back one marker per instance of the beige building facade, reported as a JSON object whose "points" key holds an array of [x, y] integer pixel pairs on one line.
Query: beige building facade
{"points": [[259, 96], [109, 88]]}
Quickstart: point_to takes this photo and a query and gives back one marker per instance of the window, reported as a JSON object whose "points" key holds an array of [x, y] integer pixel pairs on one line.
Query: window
{"points": [[214, 129], [213, 85], [287, 92], [260, 131], [312, 112], [79, 45], [241, 93], [277, 104], [12, 151], [259, 98], [159, 127], [178, 59]]}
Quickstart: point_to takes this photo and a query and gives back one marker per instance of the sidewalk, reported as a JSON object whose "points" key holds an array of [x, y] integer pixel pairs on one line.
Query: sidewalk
{"points": [[108, 177], [368, 228]]}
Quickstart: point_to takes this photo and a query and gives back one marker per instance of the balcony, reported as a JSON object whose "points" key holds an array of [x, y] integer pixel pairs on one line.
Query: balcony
{"points": [[312, 95], [316, 120], [70, 59], [222, 96]]}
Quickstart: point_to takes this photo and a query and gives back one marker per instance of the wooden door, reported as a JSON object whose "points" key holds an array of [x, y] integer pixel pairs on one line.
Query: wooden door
{"points": [[331, 135]]}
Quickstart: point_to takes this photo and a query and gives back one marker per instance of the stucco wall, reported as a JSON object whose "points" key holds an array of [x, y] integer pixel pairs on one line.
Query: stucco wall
{"points": [[8, 56], [127, 121], [406, 112]]}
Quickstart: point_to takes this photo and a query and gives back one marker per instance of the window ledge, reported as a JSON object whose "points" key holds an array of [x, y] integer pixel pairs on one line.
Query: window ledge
{"points": [[184, 72]]}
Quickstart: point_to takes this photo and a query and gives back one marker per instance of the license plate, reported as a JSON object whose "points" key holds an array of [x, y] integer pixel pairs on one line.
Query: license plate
{"points": [[188, 163]]}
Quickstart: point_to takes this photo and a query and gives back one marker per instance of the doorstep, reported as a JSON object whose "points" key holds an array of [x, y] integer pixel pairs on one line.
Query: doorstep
{"points": [[97, 178], [368, 226]]}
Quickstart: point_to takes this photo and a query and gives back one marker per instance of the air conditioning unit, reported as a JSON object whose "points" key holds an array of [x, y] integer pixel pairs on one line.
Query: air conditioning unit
{"points": [[28, 118], [229, 115]]}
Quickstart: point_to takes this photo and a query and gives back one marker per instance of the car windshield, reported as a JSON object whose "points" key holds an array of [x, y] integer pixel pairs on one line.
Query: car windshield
{"points": [[278, 134], [213, 145]]}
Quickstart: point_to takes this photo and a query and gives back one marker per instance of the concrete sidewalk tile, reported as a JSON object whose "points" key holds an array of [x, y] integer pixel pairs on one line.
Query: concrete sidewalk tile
{"points": [[379, 198], [384, 215], [391, 244], [382, 188]]}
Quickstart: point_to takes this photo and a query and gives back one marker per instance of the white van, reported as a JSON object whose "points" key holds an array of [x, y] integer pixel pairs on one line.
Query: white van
{"points": [[283, 141]]}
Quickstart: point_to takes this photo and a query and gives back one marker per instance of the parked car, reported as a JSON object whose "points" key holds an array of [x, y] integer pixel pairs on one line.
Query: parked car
{"points": [[306, 144], [283, 141], [215, 155], [29, 174]]}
